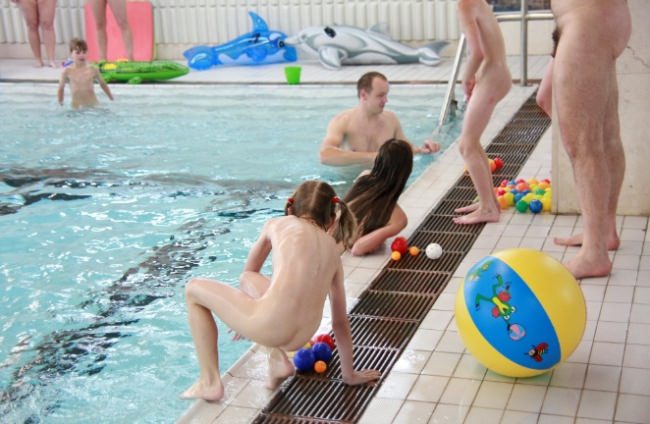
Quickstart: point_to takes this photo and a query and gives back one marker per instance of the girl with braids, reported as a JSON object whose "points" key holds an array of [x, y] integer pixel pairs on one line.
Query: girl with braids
{"points": [[284, 311], [373, 196]]}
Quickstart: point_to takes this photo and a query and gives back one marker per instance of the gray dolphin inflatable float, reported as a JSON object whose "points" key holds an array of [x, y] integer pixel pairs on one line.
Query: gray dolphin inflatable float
{"points": [[347, 45]]}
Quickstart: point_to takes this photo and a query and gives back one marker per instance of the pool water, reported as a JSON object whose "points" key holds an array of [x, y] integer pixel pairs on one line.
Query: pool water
{"points": [[106, 213]]}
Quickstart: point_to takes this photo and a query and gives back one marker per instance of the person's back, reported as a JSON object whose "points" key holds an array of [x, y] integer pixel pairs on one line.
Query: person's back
{"points": [[373, 196], [492, 44], [298, 287]]}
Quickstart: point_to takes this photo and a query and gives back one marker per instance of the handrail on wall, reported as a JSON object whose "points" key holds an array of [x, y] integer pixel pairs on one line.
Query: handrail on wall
{"points": [[522, 17]]}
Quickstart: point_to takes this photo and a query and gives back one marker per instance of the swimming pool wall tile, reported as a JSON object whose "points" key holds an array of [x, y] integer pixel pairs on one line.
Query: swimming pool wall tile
{"points": [[389, 312]]}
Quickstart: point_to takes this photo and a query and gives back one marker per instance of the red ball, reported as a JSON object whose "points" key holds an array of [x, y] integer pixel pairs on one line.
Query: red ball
{"points": [[498, 162], [324, 338], [399, 245]]}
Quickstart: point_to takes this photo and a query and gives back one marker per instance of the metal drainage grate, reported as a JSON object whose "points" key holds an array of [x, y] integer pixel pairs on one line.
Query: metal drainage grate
{"points": [[391, 309]]}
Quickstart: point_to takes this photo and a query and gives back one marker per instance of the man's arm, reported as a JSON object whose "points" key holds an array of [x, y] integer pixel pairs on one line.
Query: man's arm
{"points": [[331, 152], [429, 146]]}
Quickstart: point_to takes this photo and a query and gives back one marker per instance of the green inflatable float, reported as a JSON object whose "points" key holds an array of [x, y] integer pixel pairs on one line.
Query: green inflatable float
{"points": [[137, 72]]}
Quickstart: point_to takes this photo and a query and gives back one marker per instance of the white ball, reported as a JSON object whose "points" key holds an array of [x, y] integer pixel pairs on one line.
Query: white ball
{"points": [[433, 251]]}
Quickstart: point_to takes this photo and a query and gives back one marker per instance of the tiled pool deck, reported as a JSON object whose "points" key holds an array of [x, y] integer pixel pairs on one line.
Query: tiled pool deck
{"points": [[607, 379]]}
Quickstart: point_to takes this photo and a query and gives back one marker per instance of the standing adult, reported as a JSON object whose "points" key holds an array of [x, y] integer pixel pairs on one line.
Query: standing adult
{"points": [[118, 7], [39, 15], [592, 35]]}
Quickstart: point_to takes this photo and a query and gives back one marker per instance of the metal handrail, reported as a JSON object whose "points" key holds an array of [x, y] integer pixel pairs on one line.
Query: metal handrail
{"points": [[523, 17]]}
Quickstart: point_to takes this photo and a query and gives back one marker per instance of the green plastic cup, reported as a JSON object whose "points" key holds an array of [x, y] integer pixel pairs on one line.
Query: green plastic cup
{"points": [[292, 73]]}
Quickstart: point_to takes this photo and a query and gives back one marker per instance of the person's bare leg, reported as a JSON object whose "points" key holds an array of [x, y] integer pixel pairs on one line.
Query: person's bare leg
{"points": [[280, 368], [47, 10], [119, 12], [582, 79], [30, 13], [479, 110], [544, 96], [616, 166], [205, 335], [255, 285], [99, 13], [234, 308]]}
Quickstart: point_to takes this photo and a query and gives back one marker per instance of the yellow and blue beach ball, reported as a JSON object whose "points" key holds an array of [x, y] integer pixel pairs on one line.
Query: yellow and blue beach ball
{"points": [[520, 312]]}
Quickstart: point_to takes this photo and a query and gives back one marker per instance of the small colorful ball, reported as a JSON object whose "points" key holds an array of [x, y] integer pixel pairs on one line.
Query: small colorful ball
{"points": [[320, 367], [522, 206], [503, 202], [499, 163], [322, 352], [304, 360], [492, 165], [535, 206], [510, 198], [395, 255], [433, 251], [324, 338], [414, 250], [400, 244], [546, 204]]}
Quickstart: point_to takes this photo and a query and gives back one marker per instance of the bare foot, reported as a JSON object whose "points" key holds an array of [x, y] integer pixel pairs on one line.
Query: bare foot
{"points": [[52, 64], [582, 267], [280, 368], [210, 393], [477, 217], [467, 209], [576, 240], [39, 64]]}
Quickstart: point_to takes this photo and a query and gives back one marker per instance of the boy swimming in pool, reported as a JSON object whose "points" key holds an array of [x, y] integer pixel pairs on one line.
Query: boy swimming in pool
{"points": [[284, 311], [81, 78]]}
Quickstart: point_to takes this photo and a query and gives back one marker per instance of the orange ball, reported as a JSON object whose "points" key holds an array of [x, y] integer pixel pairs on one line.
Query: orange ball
{"points": [[396, 256], [414, 250], [503, 202], [320, 367]]}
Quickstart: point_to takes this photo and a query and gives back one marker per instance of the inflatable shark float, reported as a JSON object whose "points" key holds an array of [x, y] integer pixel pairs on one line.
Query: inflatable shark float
{"points": [[260, 46], [347, 45]]}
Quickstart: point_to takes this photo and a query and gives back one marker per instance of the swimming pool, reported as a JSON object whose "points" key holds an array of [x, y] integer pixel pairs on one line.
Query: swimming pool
{"points": [[106, 213]]}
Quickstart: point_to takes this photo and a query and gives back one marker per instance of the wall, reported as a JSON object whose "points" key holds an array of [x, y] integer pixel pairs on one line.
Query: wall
{"points": [[180, 24], [633, 69]]}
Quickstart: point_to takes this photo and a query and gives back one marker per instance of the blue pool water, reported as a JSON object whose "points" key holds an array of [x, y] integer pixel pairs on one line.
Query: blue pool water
{"points": [[106, 213]]}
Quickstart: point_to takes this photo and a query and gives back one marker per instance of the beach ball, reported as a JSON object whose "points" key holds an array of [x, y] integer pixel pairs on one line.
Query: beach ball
{"points": [[520, 312]]}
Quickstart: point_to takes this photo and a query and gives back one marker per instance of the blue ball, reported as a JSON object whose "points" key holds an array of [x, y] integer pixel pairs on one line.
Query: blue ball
{"points": [[322, 352], [304, 360], [535, 206]]}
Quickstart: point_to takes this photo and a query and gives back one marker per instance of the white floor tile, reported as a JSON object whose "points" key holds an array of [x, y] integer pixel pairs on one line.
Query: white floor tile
{"points": [[526, 398], [561, 401], [633, 409], [602, 377], [599, 405]]}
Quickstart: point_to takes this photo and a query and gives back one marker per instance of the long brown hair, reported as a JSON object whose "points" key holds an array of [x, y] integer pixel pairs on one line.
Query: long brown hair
{"points": [[372, 197], [317, 201]]}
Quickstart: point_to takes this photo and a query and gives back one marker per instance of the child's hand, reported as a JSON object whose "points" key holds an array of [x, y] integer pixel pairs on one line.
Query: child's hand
{"points": [[362, 377]]}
